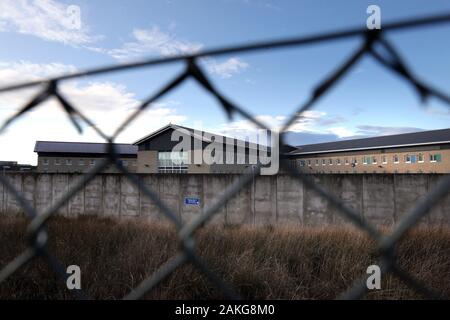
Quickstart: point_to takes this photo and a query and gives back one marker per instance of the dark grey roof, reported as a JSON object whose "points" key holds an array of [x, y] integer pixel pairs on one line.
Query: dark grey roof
{"points": [[82, 147], [392, 141], [191, 132]]}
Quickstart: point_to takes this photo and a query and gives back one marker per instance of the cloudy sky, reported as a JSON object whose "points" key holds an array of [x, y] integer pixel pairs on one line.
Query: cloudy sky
{"points": [[39, 39]]}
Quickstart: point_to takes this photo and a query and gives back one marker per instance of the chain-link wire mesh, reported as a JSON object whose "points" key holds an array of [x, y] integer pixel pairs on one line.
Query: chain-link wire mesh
{"points": [[373, 43]]}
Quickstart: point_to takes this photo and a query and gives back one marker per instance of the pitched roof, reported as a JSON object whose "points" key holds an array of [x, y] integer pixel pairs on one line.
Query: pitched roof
{"points": [[82, 147], [382, 142], [192, 132]]}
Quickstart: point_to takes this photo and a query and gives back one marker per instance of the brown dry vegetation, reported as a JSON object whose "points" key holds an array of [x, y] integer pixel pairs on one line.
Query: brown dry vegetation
{"points": [[260, 263]]}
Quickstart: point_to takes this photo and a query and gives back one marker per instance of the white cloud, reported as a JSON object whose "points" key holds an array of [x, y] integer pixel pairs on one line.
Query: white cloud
{"points": [[341, 132], [245, 128], [227, 68], [45, 19], [107, 104], [153, 41], [369, 130]]}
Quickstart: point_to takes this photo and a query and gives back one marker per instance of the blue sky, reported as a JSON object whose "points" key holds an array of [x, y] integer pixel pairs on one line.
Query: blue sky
{"points": [[37, 43]]}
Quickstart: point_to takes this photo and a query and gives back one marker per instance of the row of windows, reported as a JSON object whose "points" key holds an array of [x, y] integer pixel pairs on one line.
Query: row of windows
{"points": [[409, 158], [173, 169], [81, 162]]}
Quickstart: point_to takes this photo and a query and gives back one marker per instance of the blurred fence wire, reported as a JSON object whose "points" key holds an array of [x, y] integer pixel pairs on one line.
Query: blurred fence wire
{"points": [[373, 43]]}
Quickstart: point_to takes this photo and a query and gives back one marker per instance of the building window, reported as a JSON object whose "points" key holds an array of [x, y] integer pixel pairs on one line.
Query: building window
{"points": [[338, 162], [174, 162], [413, 158], [324, 162], [317, 162], [355, 161], [408, 158], [384, 159], [57, 162], [302, 163], [395, 158], [45, 162], [346, 161], [309, 163], [374, 160], [68, 162], [436, 157], [92, 162], [81, 162], [367, 160], [330, 162], [420, 158]]}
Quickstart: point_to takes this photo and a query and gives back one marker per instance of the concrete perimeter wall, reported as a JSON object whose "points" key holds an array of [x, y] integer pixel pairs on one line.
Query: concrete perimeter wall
{"points": [[268, 200]]}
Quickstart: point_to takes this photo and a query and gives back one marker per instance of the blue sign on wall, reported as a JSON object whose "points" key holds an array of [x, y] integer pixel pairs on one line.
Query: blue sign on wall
{"points": [[192, 201]]}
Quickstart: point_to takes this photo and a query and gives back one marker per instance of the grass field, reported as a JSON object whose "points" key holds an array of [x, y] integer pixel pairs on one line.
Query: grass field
{"points": [[260, 263]]}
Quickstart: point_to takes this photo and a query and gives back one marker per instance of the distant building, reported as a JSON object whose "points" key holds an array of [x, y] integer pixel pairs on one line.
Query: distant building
{"points": [[151, 154], [418, 152], [155, 152], [78, 157], [13, 166]]}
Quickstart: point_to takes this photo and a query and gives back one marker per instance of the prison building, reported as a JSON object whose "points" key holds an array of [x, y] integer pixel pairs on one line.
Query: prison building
{"points": [[418, 152], [79, 157], [13, 166], [156, 152]]}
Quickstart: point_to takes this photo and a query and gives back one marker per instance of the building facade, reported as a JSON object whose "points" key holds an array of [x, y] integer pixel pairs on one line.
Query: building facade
{"points": [[153, 153], [418, 152], [156, 155], [13, 166], [79, 157]]}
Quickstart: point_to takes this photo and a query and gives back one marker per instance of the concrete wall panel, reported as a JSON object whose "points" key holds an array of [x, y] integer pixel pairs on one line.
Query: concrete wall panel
{"points": [[148, 207], [378, 198], [93, 195], [408, 190], [289, 200], [111, 195], [12, 205], [129, 196]]}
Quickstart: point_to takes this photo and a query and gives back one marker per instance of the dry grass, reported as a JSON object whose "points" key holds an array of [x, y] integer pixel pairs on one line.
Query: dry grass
{"points": [[260, 263]]}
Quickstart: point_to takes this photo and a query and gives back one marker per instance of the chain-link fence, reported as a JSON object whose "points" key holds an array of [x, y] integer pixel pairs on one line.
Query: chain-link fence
{"points": [[373, 43]]}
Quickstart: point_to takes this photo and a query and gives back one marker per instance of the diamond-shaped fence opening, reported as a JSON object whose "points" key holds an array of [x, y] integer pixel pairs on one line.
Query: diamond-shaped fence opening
{"points": [[371, 40]]}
